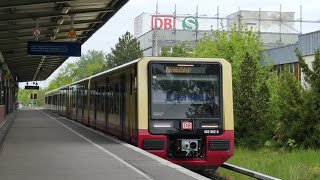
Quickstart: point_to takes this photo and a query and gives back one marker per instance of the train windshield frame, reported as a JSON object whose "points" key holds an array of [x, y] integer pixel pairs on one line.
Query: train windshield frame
{"points": [[185, 90]]}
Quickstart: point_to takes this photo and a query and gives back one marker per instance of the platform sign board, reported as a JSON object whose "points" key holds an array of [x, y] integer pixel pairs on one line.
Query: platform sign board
{"points": [[32, 87], [54, 48]]}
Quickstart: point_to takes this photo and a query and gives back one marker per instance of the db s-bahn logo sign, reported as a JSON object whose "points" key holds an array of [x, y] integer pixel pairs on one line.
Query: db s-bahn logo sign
{"points": [[190, 23], [168, 22], [186, 125]]}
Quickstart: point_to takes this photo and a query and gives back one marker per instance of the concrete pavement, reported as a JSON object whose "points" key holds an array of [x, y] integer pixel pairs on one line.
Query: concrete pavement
{"points": [[44, 146]]}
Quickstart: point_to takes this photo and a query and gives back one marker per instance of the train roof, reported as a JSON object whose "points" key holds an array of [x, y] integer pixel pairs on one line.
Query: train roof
{"points": [[99, 74], [116, 68]]}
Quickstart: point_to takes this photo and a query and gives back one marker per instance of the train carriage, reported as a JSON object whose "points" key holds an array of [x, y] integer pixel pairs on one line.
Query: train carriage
{"points": [[177, 108]]}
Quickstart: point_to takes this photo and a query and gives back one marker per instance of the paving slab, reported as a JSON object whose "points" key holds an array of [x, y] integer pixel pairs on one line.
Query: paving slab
{"points": [[41, 145]]}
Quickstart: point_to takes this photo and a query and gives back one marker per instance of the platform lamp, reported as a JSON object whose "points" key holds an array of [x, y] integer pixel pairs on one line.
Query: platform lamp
{"points": [[60, 20], [52, 37], [54, 32], [65, 8]]}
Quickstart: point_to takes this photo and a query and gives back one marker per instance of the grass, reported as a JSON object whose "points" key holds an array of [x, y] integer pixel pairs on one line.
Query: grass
{"points": [[299, 164]]}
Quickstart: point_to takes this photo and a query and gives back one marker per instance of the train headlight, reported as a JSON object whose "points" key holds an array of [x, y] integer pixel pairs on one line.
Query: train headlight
{"points": [[159, 124], [209, 125]]}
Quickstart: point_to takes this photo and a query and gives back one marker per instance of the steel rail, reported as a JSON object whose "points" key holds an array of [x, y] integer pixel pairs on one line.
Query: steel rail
{"points": [[248, 172]]}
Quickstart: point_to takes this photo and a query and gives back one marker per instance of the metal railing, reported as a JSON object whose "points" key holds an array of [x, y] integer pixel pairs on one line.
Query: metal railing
{"points": [[248, 172]]}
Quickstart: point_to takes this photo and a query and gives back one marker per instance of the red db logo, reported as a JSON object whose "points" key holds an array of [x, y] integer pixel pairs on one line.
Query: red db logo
{"points": [[186, 125], [163, 22]]}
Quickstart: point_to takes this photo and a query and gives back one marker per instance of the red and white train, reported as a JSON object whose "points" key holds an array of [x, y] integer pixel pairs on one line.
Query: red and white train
{"points": [[177, 108]]}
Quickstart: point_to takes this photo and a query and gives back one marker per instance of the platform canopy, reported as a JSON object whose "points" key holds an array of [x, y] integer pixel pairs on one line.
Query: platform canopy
{"points": [[20, 18]]}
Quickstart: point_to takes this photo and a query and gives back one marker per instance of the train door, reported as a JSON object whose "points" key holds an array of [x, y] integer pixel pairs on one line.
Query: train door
{"points": [[122, 105], [77, 101], [81, 96], [85, 103], [133, 111], [70, 105], [91, 108], [59, 102], [106, 102], [95, 103]]}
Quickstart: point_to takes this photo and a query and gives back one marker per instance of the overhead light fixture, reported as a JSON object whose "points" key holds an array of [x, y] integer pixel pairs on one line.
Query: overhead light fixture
{"points": [[113, 2], [60, 20], [65, 9], [52, 37], [56, 30]]}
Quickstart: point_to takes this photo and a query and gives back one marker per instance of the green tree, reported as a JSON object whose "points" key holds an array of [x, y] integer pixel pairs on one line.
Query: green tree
{"points": [[64, 77], [273, 110], [231, 46], [290, 104], [177, 51], [310, 135], [89, 64], [253, 115], [126, 50], [250, 101], [24, 97]]}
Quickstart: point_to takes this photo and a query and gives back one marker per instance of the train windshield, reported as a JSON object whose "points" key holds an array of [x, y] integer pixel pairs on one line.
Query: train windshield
{"points": [[185, 91]]}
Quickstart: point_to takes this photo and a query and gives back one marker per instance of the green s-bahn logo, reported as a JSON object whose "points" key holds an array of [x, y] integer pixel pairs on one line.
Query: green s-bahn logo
{"points": [[190, 23]]}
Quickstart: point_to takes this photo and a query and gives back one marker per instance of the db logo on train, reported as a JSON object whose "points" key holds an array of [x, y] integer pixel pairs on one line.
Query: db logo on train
{"points": [[186, 125]]}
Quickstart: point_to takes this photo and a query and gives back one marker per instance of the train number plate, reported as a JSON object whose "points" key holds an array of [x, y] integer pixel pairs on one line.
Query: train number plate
{"points": [[186, 125]]}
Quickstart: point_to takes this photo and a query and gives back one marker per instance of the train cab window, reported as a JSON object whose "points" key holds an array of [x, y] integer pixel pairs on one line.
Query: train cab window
{"points": [[185, 91]]}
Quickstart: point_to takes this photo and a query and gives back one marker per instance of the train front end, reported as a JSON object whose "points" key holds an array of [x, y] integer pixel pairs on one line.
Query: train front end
{"points": [[185, 111]]}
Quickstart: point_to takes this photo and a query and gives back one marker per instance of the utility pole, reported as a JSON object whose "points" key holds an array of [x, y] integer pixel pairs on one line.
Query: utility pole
{"points": [[280, 40], [197, 28], [156, 35], [300, 19], [217, 18]]}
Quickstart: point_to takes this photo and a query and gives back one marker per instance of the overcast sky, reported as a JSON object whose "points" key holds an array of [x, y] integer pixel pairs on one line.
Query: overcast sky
{"points": [[123, 21]]}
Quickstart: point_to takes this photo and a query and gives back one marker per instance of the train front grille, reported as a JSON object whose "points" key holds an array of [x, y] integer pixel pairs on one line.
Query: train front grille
{"points": [[153, 144], [219, 144]]}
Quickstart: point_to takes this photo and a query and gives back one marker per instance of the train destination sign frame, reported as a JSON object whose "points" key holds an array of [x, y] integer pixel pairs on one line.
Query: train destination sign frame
{"points": [[54, 48]]}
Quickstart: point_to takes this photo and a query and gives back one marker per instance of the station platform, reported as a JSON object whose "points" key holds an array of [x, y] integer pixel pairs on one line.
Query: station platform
{"points": [[41, 145]]}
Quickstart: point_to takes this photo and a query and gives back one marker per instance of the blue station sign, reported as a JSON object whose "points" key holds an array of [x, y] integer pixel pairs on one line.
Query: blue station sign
{"points": [[54, 48]]}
